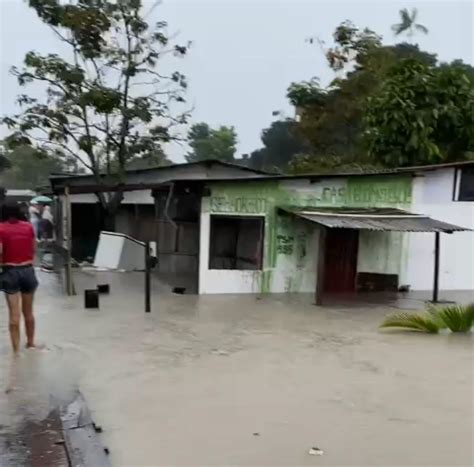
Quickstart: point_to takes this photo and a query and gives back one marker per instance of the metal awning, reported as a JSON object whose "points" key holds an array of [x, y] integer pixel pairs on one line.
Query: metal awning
{"points": [[378, 219]]}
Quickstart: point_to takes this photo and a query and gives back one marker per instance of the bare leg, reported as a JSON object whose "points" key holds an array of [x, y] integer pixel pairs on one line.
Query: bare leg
{"points": [[13, 302], [27, 308]]}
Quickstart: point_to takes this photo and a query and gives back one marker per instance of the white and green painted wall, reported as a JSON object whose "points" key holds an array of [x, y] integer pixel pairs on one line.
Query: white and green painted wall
{"points": [[290, 252]]}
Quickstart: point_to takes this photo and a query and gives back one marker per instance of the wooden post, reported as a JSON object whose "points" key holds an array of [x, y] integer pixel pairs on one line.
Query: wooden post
{"points": [[436, 269], [157, 225], [69, 283], [321, 266], [147, 278]]}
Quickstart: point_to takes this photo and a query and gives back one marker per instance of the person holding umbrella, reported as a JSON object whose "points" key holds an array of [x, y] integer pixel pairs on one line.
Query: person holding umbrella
{"points": [[40, 217], [17, 276], [34, 215]]}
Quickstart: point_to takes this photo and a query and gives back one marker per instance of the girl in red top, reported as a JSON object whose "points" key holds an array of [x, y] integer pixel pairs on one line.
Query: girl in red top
{"points": [[18, 279]]}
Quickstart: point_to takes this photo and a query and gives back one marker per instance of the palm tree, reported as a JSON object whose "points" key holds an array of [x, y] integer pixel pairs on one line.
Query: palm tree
{"points": [[457, 318], [408, 23]]}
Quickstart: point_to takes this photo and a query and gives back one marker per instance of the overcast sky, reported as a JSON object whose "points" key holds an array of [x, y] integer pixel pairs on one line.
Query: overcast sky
{"points": [[246, 52]]}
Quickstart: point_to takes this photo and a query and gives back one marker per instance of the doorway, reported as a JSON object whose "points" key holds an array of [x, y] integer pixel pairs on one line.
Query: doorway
{"points": [[340, 261]]}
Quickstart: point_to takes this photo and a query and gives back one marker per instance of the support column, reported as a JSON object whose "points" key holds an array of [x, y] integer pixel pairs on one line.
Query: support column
{"points": [[321, 266], [68, 211], [436, 269], [147, 278]]}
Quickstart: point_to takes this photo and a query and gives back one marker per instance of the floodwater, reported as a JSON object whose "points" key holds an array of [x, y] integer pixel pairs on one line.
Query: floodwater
{"points": [[226, 380]]}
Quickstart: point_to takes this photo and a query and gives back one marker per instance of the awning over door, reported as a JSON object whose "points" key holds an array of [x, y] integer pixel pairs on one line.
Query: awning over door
{"points": [[379, 219]]}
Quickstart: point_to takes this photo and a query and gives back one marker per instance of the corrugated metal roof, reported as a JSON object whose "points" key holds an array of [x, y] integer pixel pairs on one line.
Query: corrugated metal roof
{"points": [[374, 219]]}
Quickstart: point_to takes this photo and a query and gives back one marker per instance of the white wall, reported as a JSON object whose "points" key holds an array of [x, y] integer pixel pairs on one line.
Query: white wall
{"points": [[296, 272], [292, 272], [213, 281], [433, 196], [380, 252]]}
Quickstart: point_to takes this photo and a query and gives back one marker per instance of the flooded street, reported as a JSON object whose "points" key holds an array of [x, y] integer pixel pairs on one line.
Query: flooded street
{"points": [[226, 380]]}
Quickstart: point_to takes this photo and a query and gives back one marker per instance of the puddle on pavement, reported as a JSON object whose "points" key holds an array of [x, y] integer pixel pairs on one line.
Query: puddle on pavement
{"points": [[33, 385]]}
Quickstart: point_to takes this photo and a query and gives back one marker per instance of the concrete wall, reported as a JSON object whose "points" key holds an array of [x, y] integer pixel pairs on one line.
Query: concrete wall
{"points": [[381, 252], [291, 245], [223, 281], [433, 195]]}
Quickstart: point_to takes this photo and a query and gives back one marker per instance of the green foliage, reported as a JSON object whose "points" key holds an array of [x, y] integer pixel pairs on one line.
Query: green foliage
{"points": [[149, 161], [364, 119], [4, 163], [351, 44], [457, 318], [306, 93], [280, 144], [408, 23], [30, 168], [411, 322], [106, 103], [209, 143], [421, 115], [309, 164]]}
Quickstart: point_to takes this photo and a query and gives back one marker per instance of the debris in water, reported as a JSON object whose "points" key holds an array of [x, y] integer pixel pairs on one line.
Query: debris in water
{"points": [[107, 451], [97, 428], [256, 434], [315, 451], [222, 353], [103, 288]]}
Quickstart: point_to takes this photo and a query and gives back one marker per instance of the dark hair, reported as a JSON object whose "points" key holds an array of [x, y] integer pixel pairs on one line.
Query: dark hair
{"points": [[11, 210]]}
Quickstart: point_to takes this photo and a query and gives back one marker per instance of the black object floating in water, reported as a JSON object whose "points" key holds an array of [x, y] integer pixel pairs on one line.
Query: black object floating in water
{"points": [[179, 290], [91, 298], [103, 288], [97, 428]]}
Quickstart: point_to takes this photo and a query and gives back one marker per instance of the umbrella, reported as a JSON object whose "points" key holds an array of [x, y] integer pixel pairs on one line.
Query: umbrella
{"points": [[41, 200]]}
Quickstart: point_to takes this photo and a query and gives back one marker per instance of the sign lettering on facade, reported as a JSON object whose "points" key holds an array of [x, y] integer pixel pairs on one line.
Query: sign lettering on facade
{"points": [[240, 205]]}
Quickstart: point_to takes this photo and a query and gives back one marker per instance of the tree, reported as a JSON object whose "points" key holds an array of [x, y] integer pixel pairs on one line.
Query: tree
{"points": [[149, 161], [107, 103], [4, 163], [408, 23], [208, 143], [281, 143], [331, 119], [31, 169], [421, 115]]}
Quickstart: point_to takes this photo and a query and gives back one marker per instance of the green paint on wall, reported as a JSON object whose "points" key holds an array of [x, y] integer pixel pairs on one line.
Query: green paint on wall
{"points": [[378, 191], [284, 236]]}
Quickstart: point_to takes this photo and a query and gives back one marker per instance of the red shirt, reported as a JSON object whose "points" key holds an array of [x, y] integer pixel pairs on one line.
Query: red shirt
{"points": [[18, 242]]}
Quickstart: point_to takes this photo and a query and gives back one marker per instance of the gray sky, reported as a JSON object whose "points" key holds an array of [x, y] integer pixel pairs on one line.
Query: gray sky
{"points": [[246, 52]]}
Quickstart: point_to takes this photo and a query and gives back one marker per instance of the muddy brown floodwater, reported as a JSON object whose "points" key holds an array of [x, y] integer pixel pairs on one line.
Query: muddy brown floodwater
{"points": [[195, 381]]}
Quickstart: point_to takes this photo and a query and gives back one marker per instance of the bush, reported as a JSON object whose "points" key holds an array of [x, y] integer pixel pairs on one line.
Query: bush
{"points": [[457, 318], [412, 322]]}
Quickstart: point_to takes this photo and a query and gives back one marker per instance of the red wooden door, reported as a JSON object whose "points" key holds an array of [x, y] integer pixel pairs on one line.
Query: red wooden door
{"points": [[341, 260]]}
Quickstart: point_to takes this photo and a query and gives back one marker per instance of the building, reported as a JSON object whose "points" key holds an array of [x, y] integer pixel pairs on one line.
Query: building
{"points": [[225, 229], [157, 206]]}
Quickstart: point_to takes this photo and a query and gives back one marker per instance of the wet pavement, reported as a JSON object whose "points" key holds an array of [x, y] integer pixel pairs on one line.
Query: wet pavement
{"points": [[226, 380]]}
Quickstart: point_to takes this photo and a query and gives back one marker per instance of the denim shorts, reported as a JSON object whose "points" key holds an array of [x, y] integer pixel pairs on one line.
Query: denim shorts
{"points": [[18, 279]]}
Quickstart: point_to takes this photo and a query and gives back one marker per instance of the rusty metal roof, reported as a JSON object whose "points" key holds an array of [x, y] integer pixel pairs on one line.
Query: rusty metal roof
{"points": [[383, 219]]}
